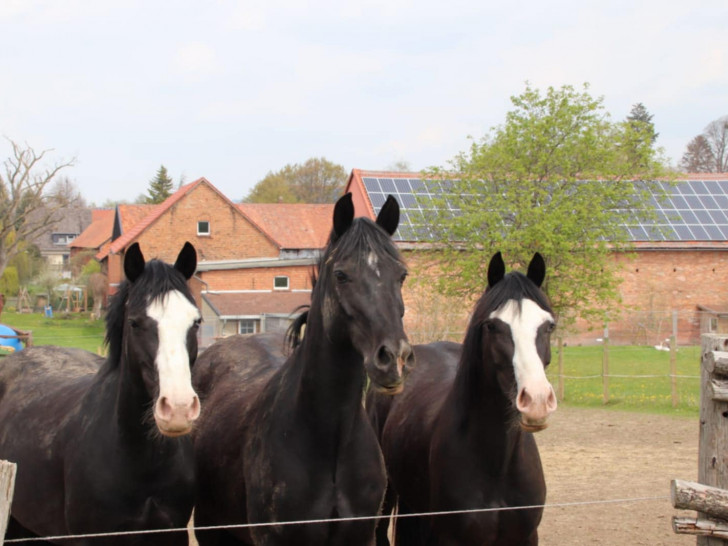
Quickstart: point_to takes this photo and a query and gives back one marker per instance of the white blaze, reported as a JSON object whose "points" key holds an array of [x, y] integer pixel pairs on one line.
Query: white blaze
{"points": [[528, 367], [177, 404], [373, 262]]}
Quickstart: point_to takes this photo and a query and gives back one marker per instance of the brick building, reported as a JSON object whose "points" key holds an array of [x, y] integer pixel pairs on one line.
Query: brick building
{"points": [[254, 261], [681, 267]]}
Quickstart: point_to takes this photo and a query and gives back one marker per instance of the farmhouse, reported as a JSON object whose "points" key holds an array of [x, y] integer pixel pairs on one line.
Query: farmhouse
{"points": [[254, 261], [681, 267]]}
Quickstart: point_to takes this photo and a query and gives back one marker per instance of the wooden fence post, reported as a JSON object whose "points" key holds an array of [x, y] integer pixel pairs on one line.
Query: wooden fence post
{"points": [[560, 385], [7, 486], [673, 360], [712, 462], [605, 364]]}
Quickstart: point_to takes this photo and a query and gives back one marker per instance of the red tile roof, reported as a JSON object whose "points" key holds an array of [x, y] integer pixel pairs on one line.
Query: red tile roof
{"points": [[98, 232], [151, 215], [292, 225], [237, 304]]}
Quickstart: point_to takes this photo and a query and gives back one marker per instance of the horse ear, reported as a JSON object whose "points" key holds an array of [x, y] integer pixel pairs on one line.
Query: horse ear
{"points": [[388, 217], [186, 261], [537, 269], [496, 269], [343, 215], [133, 262]]}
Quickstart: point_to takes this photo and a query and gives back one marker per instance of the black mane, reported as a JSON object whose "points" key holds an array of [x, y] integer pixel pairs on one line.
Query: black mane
{"points": [[157, 279], [361, 238]]}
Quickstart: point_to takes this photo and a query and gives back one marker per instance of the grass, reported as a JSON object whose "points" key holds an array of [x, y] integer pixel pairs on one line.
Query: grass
{"points": [[71, 330], [650, 393]]}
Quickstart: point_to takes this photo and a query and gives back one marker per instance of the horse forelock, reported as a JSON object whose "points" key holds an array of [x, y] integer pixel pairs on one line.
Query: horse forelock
{"points": [[157, 280], [515, 286]]}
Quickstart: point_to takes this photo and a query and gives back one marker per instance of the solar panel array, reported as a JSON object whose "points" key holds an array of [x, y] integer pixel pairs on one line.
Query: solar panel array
{"points": [[691, 210]]}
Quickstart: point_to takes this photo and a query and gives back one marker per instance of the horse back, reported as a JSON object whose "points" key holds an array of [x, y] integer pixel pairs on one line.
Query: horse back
{"points": [[41, 389]]}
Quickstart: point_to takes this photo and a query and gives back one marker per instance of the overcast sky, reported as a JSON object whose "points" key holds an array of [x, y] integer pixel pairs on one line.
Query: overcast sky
{"points": [[232, 90]]}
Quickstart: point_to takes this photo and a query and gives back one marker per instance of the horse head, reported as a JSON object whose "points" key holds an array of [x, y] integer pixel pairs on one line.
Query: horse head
{"points": [[360, 278], [160, 335], [517, 322]]}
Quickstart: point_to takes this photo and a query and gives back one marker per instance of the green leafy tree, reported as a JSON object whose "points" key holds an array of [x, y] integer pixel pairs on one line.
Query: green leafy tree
{"points": [[558, 177], [316, 181], [27, 208], [160, 187]]}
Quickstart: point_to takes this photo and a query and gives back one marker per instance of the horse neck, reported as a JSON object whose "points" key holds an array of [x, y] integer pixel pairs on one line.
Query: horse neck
{"points": [[484, 414], [331, 378], [132, 403]]}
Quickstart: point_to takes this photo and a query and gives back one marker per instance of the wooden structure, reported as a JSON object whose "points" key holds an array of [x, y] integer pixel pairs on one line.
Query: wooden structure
{"points": [[24, 336], [710, 496], [7, 487]]}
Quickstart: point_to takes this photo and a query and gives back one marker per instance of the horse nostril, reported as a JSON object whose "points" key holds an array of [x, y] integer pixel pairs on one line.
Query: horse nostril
{"points": [[384, 356], [524, 400], [194, 411], [164, 408]]}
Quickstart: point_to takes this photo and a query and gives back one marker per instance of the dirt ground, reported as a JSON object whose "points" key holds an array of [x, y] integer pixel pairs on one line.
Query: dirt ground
{"points": [[597, 455], [603, 455]]}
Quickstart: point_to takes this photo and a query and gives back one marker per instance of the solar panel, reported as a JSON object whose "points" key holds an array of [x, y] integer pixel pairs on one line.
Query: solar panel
{"points": [[692, 210]]}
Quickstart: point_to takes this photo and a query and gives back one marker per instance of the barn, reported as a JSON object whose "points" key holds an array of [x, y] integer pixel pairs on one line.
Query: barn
{"points": [[254, 261], [679, 267]]}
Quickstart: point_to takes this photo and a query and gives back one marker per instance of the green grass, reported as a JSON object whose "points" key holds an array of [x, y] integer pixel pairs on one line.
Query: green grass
{"points": [[72, 330], [649, 394]]}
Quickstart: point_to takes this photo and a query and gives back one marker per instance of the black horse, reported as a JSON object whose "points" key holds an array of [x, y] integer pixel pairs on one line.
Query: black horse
{"points": [[99, 443], [459, 436], [288, 439]]}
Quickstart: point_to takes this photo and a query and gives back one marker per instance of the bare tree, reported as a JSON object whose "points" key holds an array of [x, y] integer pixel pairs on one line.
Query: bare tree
{"points": [[27, 209], [708, 152]]}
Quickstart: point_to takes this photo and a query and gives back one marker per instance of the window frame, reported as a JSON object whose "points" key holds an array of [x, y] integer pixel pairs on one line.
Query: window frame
{"points": [[204, 233], [288, 282]]}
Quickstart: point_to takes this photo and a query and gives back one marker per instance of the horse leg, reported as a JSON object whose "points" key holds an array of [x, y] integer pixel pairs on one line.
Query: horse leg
{"points": [[383, 524], [410, 530]]}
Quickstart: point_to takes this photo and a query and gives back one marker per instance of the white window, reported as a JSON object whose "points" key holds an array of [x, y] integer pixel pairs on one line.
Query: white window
{"points": [[280, 283], [203, 227], [246, 326]]}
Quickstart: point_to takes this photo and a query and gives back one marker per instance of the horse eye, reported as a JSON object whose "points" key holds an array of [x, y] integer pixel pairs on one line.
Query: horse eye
{"points": [[552, 327], [490, 326], [197, 323], [403, 278], [133, 323], [341, 276]]}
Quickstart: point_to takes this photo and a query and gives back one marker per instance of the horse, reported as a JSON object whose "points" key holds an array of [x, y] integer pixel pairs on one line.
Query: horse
{"points": [[102, 445], [286, 438], [459, 437]]}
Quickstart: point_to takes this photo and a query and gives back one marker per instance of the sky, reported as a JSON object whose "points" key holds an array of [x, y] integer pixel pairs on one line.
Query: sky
{"points": [[233, 90]]}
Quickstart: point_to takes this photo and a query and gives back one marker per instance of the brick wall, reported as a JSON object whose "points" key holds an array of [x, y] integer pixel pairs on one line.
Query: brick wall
{"points": [[299, 278], [655, 283], [231, 235]]}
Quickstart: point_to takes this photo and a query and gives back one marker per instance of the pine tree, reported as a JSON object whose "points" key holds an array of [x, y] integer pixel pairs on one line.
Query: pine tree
{"points": [[160, 187]]}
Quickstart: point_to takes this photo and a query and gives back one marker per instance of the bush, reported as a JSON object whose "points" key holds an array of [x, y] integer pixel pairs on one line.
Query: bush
{"points": [[9, 283]]}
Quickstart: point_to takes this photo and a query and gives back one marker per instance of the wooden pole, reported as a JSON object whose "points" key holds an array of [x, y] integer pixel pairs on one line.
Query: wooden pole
{"points": [[701, 498], [673, 360], [605, 364], [560, 386], [712, 463], [7, 487]]}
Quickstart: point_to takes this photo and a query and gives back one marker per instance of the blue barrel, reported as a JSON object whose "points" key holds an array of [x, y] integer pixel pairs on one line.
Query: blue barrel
{"points": [[12, 342]]}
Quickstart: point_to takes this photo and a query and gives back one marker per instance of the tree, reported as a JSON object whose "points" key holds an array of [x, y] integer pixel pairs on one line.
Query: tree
{"points": [[316, 181], [641, 121], [27, 209], [708, 152], [160, 187], [558, 178], [698, 157]]}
